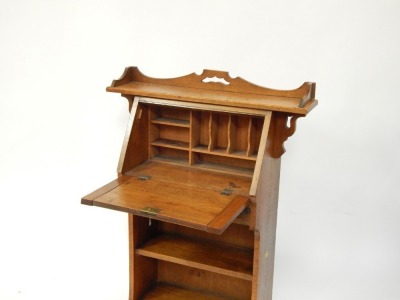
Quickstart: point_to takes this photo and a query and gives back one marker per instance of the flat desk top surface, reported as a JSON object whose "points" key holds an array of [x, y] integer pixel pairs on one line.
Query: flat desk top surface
{"points": [[182, 195]]}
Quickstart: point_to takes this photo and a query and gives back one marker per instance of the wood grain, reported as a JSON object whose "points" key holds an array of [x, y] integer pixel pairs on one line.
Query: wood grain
{"points": [[88, 199], [260, 155], [192, 177], [178, 196], [143, 271], [135, 146], [235, 235], [204, 281], [228, 214], [239, 93], [203, 255], [164, 291], [266, 220]]}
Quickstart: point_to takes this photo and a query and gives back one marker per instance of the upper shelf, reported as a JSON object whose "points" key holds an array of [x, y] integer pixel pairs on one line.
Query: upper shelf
{"points": [[216, 87]]}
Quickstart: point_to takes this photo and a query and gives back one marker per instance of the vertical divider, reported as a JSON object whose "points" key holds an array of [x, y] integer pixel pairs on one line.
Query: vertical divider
{"points": [[194, 134], [251, 138], [212, 131], [229, 133], [153, 130], [232, 126], [210, 143]]}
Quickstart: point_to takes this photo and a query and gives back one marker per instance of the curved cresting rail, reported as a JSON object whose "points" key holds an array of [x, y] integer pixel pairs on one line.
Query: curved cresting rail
{"points": [[216, 87]]}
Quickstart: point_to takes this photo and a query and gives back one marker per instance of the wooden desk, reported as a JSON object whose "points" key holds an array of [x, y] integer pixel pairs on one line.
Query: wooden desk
{"points": [[198, 176]]}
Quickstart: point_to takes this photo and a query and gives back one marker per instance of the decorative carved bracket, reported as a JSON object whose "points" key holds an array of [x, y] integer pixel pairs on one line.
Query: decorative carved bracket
{"points": [[281, 132]]}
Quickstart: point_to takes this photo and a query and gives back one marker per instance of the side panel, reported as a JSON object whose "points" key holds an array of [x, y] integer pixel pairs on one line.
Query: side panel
{"points": [[266, 219], [135, 147]]}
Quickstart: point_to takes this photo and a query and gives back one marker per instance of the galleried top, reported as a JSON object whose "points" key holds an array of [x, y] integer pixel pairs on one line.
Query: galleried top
{"points": [[219, 88]]}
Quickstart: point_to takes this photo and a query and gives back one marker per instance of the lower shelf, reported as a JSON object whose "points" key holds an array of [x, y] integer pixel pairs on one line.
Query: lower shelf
{"points": [[167, 292], [207, 256]]}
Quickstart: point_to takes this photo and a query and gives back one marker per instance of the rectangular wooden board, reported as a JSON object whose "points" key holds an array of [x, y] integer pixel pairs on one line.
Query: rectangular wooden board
{"points": [[177, 194]]}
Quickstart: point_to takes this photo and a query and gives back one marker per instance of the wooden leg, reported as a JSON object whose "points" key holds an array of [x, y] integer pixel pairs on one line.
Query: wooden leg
{"points": [[265, 233], [142, 270]]}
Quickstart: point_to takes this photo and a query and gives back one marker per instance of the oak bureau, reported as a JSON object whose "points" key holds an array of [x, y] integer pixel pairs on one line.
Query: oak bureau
{"points": [[198, 176]]}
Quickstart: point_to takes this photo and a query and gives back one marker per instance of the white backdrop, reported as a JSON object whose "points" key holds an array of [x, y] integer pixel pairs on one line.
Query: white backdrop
{"points": [[60, 133]]}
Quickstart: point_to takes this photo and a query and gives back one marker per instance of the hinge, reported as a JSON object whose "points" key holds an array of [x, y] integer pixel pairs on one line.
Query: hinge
{"points": [[226, 192], [150, 211], [144, 177]]}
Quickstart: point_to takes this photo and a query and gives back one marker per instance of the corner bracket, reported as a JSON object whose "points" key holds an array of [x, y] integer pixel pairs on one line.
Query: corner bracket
{"points": [[283, 128]]}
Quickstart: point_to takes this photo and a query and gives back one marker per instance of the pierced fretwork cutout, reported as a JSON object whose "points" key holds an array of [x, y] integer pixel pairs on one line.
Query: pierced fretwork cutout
{"points": [[216, 79]]}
